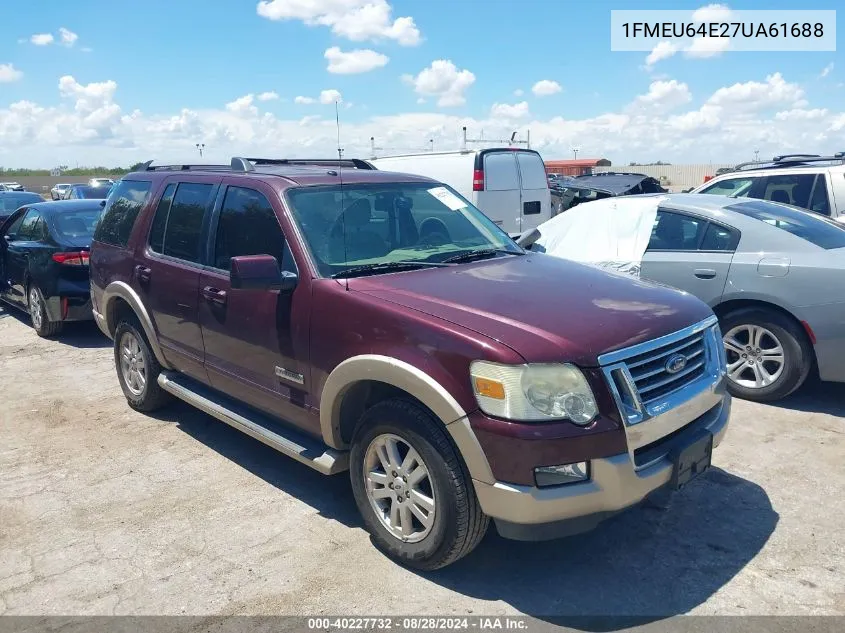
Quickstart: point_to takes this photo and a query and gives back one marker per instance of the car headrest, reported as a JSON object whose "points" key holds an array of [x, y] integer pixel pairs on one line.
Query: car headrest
{"points": [[359, 212]]}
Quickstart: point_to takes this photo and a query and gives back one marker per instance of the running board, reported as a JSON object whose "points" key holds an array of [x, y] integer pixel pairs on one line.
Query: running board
{"points": [[287, 441]]}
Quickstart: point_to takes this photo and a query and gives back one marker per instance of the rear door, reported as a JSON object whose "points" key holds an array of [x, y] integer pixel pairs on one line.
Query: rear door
{"points": [[168, 267], [500, 200], [690, 253], [535, 197], [23, 238]]}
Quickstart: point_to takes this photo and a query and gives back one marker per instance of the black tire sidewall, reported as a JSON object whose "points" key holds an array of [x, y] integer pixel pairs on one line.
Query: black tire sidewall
{"points": [[797, 352], [439, 541]]}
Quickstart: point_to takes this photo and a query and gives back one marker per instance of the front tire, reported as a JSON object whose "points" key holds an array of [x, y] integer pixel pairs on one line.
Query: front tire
{"points": [[38, 314], [768, 355], [137, 368], [412, 488]]}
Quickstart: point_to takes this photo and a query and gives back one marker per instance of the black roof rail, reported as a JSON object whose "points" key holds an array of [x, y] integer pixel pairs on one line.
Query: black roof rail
{"points": [[355, 163], [778, 159], [791, 160], [148, 166]]}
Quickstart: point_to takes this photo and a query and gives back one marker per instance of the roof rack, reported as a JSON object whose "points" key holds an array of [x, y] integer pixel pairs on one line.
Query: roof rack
{"points": [[791, 160], [148, 166], [615, 173], [355, 163]]}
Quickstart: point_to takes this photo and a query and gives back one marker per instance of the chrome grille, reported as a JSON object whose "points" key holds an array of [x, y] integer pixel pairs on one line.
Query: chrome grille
{"points": [[649, 370]]}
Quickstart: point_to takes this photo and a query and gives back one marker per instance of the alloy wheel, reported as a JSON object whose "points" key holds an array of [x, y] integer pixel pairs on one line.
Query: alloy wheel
{"points": [[755, 356], [132, 365], [399, 488], [35, 310]]}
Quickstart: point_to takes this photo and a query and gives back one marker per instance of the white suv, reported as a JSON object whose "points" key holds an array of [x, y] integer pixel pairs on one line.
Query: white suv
{"points": [[812, 182]]}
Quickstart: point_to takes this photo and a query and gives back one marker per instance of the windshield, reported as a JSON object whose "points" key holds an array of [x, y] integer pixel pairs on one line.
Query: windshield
{"points": [[363, 225], [75, 224]]}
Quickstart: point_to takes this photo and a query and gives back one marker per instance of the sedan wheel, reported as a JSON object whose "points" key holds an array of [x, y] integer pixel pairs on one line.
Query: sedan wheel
{"points": [[755, 356], [36, 310]]}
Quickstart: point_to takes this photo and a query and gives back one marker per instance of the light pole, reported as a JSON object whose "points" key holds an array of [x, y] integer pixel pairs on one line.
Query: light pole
{"points": [[575, 151], [431, 140], [756, 155], [200, 147]]}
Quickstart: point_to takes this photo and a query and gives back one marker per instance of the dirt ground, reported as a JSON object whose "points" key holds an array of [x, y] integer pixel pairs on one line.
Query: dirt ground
{"points": [[108, 511]]}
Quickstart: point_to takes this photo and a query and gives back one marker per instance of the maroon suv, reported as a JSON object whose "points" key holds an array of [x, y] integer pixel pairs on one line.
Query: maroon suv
{"points": [[375, 322]]}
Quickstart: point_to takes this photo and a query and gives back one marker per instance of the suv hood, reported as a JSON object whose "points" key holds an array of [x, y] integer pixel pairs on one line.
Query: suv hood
{"points": [[544, 308]]}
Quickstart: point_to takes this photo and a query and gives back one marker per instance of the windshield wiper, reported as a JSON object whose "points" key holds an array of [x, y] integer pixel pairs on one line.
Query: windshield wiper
{"points": [[385, 267], [469, 256]]}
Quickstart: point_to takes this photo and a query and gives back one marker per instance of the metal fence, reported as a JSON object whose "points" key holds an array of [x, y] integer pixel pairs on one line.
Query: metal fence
{"points": [[674, 177]]}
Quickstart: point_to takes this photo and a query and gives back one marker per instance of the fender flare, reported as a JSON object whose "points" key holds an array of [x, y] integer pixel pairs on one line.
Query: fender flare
{"points": [[122, 290], [413, 381]]}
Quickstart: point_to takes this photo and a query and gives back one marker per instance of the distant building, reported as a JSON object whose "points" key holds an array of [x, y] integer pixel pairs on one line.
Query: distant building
{"points": [[577, 167]]}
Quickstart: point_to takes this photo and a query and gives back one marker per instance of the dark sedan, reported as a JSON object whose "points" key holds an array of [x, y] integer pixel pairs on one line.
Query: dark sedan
{"points": [[11, 201], [44, 262], [86, 192]]}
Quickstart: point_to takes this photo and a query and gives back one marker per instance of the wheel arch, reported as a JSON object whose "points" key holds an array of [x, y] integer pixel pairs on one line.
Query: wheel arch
{"points": [[361, 381], [118, 299]]}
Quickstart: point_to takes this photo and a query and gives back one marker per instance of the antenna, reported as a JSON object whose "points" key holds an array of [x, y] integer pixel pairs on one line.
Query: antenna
{"points": [[340, 176]]}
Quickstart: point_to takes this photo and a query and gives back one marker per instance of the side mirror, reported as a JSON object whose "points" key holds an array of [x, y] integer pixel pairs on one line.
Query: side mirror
{"points": [[526, 239], [260, 272]]}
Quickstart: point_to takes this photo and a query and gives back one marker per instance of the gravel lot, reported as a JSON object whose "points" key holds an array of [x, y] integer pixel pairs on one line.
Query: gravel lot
{"points": [[107, 511]]}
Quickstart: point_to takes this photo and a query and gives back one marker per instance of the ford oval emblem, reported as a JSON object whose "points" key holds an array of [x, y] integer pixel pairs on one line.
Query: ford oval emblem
{"points": [[676, 363]]}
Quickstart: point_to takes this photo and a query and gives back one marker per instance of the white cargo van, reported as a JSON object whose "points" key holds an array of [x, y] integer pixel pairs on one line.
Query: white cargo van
{"points": [[509, 185]]}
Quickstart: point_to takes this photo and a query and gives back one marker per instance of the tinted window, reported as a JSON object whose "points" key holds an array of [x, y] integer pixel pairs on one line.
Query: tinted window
{"points": [[794, 189], [735, 187], [719, 238], [819, 202], [675, 232], [160, 219], [184, 222], [532, 170], [122, 208], [248, 226], [500, 172], [812, 228], [73, 224], [15, 226], [11, 202], [30, 227]]}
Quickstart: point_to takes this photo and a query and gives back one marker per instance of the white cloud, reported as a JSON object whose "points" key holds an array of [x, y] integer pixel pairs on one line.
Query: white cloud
{"points": [[42, 39], [663, 96], [243, 105], [88, 126], [87, 49], [304, 100], [826, 70], [68, 38], [353, 62], [546, 87], [663, 50], [268, 96], [330, 96], [8, 73], [518, 92], [356, 20], [702, 47], [712, 13], [442, 80], [506, 111]]}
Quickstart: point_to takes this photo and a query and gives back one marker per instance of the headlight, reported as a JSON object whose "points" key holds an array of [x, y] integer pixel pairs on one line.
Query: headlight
{"points": [[533, 392]]}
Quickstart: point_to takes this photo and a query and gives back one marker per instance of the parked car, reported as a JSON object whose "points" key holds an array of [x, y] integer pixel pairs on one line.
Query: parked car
{"points": [[13, 186], [86, 192], [588, 187], [58, 191], [100, 182], [375, 322], [812, 182], [11, 201], [773, 274], [509, 185], [44, 262]]}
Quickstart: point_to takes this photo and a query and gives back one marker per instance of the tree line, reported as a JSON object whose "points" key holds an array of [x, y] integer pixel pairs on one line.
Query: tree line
{"points": [[76, 171]]}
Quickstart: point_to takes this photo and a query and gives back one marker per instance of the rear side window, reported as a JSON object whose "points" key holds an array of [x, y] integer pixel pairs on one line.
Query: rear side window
{"points": [[813, 228], [31, 228], [500, 172], [160, 219], [184, 222], [794, 189], [248, 226], [122, 208], [719, 238], [819, 202], [532, 170]]}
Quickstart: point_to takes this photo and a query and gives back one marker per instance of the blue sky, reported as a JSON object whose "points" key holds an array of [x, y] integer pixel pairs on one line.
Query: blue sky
{"points": [[169, 56]]}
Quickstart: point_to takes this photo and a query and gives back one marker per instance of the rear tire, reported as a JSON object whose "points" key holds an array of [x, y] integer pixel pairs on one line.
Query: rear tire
{"points": [[38, 314], [768, 354], [458, 523], [137, 368]]}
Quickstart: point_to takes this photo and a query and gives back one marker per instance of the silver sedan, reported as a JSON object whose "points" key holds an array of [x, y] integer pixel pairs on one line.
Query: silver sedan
{"points": [[773, 274]]}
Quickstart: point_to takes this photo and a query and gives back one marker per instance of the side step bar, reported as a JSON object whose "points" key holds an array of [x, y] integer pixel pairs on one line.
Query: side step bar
{"points": [[287, 441]]}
